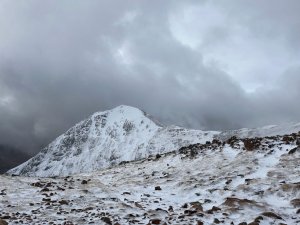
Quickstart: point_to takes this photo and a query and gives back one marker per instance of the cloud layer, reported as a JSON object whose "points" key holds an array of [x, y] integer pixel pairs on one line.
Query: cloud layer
{"points": [[199, 64]]}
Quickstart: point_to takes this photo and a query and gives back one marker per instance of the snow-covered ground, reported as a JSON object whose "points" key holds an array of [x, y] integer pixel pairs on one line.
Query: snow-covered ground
{"points": [[213, 183]]}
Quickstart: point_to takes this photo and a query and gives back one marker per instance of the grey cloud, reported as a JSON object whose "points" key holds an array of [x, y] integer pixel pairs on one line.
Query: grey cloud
{"points": [[268, 19], [61, 61]]}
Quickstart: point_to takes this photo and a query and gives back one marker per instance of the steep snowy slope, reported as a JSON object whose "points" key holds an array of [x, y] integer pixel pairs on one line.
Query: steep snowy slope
{"points": [[106, 139]]}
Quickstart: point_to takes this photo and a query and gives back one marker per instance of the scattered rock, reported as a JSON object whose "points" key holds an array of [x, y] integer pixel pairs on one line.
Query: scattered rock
{"points": [[236, 202], [292, 151], [46, 200], [155, 221], [158, 156], [251, 143], [189, 212], [185, 205], [63, 202], [197, 206], [138, 205], [45, 190], [37, 184], [157, 188], [213, 209], [216, 221], [287, 139], [296, 202], [231, 141], [258, 219], [272, 215], [171, 209], [228, 181], [107, 220], [290, 187], [84, 182]]}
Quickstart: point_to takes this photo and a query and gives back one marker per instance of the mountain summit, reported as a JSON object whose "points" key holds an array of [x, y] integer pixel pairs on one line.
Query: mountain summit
{"points": [[108, 138]]}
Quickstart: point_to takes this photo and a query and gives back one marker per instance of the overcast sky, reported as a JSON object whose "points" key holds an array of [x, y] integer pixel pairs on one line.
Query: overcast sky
{"points": [[201, 64]]}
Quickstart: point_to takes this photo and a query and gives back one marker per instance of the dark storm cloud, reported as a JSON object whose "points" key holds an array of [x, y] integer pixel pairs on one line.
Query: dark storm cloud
{"points": [[61, 61]]}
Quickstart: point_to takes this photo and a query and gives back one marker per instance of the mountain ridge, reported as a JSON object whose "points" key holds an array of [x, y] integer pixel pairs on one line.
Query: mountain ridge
{"points": [[107, 138], [122, 134]]}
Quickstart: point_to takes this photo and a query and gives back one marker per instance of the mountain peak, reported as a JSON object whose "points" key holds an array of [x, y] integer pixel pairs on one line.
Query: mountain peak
{"points": [[107, 138], [125, 112], [126, 109]]}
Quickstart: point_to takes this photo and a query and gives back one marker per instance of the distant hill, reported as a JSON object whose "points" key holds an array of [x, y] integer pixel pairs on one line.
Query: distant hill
{"points": [[11, 157]]}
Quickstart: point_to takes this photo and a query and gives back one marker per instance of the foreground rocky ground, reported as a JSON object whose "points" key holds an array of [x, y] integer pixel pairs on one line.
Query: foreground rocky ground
{"points": [[240, 181]]}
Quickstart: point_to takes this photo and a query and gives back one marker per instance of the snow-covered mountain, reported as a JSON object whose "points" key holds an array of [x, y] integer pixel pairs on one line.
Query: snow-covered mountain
{"points": [[246, 176], [123, 134], [108, 138]]}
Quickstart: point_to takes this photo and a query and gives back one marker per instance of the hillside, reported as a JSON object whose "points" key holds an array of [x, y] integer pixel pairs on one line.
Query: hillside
{"points": [[239, 181]]}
